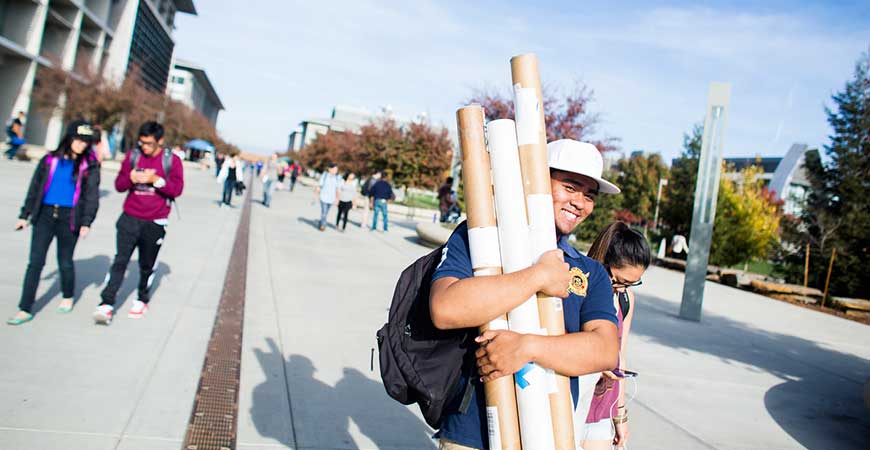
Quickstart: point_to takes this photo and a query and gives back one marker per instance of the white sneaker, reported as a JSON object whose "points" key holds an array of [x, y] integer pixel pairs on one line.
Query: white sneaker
{"points": [[138, 310], [103, 315]]}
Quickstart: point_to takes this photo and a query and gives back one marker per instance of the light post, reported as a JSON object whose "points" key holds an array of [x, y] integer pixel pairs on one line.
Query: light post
{"points": [[704, 210], [662, 182]]}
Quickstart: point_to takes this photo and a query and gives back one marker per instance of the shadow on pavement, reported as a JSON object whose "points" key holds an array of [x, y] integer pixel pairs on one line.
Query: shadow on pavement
{"points": [[819, 403], [315, 223], [91, 271], [327, 411]]}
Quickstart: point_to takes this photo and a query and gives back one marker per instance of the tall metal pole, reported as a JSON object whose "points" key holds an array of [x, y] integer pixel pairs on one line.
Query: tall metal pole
{"points": [[706, 193]]}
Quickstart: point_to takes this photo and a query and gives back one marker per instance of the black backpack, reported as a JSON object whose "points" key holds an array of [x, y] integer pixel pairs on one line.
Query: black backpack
{"points": [[420, 363]]}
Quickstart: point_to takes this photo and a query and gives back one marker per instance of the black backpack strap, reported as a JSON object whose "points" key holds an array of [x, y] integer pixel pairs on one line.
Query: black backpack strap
{"points": [[167, 161], [134, 158]]}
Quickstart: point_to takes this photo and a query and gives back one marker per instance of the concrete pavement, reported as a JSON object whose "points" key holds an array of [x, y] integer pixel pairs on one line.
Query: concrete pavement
{"points": [[755, 373]]}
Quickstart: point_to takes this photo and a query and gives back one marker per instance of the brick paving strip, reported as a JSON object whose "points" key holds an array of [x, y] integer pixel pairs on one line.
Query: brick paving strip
{"points": [[214, 419]]}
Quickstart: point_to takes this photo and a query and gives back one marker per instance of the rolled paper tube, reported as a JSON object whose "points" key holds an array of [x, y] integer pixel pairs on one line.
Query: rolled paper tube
{"points": [[531, 381], [531, 129], [501, 403]]}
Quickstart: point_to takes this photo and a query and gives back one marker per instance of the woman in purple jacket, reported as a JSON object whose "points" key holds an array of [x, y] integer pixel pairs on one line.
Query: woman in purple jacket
{"points": [[625, 254], [61, 203]]}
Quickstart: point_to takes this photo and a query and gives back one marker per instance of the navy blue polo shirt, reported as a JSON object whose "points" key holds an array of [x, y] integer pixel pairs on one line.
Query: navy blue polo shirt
{"points": [[470, 428]]}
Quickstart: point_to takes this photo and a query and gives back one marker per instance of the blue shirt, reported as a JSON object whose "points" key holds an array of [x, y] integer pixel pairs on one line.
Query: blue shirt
{"points": [[328, 187], [470, 428], [381, 190], [63, 187]]}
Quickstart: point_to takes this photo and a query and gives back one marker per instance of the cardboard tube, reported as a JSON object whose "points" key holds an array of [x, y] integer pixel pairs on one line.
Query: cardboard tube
{"points": [[501, 402], [536, 184], [532, 384]]}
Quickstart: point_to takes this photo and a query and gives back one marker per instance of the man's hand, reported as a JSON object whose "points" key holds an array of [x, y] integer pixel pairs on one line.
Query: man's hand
{"points": [[554, 274], [84, 231], [136, 176], [150, 176], [20, 224], [501, 353]]}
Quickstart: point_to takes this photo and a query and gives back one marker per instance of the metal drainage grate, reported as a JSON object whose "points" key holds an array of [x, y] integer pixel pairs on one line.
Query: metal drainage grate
{"points": [[213, 422]]}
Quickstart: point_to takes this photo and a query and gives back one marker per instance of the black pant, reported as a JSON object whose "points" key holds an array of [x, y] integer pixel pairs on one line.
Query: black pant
{"points": [[52, 222], [133, 233], [229, 186], [343, 208], [292, 183]]}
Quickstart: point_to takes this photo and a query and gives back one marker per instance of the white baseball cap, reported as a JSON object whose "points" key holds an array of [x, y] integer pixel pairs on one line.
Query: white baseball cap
{"points": [[580, 158]]}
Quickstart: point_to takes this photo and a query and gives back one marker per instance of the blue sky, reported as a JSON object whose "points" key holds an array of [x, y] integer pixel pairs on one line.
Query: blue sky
{"points": [[277, 62]]}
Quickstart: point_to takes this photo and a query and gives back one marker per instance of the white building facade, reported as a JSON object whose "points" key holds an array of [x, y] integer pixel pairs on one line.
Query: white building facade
{"points": [[107, 37], [189, 84]]}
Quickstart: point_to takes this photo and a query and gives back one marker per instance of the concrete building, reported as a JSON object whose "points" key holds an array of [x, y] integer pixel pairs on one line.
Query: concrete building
{"points": [[343, 118], [189, 84], [784, 176], [107, 37]]}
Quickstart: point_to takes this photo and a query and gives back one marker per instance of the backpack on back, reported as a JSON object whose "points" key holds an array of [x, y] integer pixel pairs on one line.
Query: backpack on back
{"points": [[420, 363]]}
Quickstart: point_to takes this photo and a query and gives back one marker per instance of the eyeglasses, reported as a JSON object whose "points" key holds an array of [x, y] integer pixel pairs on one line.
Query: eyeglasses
{"points": [[621, 285]]}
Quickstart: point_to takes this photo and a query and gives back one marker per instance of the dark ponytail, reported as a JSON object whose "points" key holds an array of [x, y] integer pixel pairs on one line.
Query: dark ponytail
{"points": [[619, 246]]}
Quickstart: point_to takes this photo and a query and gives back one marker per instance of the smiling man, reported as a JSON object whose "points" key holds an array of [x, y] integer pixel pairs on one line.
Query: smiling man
{"points": [[459, 300]]}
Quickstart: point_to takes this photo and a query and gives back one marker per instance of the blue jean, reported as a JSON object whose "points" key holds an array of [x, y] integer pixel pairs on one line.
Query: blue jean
{"points": [[380, 207], [324, 210], [267, 191]]}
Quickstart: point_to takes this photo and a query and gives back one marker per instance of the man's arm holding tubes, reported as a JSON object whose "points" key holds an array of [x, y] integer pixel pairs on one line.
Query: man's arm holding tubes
{"points": [[593, 349], [472, 302]]}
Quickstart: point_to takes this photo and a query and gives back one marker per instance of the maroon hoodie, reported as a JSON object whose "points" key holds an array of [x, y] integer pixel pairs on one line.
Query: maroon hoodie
{"points": [[144, 201]]}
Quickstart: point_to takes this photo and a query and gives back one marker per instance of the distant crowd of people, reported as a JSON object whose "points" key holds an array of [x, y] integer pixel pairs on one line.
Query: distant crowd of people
{"points": [[376, 192]]}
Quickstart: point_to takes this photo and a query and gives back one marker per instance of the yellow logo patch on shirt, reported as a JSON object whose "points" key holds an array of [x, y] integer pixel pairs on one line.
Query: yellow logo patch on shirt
{"points": [[579, 282]]}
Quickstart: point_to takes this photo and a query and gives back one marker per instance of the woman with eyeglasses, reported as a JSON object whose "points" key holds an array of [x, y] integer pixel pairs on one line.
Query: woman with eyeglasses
{"points": [[625, 254], [61, 203]]}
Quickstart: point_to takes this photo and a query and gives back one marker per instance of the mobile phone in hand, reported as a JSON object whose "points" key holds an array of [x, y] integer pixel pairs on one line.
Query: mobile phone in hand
{"points": [[624, 373]]}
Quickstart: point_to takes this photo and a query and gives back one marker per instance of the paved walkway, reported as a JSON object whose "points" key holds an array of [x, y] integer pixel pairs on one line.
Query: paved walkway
{"points": [[756, 373]]}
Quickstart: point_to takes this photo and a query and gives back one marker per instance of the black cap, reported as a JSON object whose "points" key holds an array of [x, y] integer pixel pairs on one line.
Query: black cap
{"points": [[80, 129]]}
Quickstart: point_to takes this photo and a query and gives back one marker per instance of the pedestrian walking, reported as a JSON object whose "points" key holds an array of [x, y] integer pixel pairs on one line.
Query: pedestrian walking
{"points": [[218, 163], [270, 177], [327, 192], [446, 199], [295, 170], [61, 203], [229, 176], [625, 254], [282, 174], [366, 192], [101, 146], [347, 192], [15, 134], [381, 193], [153, 178]]}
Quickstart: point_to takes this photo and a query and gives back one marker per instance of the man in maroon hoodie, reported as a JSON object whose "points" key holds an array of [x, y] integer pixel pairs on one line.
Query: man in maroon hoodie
{"points": [[150, 192]]}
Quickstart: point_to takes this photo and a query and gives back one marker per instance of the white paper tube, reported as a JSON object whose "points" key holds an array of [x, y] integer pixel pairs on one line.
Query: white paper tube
{"points": [[483, 243], [542, 224], [532, 386]]}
